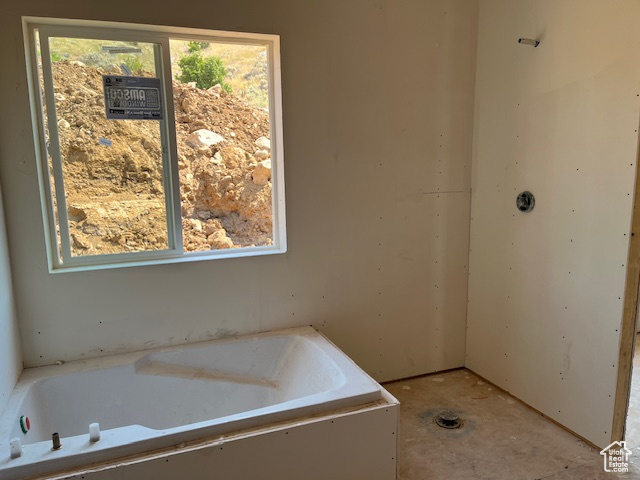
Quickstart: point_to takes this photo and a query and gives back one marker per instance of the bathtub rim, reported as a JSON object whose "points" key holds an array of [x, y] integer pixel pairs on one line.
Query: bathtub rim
{"points": [[298, 408]]}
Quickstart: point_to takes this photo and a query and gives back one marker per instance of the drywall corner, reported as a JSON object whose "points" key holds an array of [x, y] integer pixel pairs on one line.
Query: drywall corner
{"points": [[10, 354]]}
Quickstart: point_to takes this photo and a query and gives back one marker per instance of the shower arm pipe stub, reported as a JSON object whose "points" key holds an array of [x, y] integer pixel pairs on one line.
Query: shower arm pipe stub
{"points": [[529, 41]]}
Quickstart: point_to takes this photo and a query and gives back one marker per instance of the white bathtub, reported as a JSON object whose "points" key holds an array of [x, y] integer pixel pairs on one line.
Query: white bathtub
{"points": [[154, 399]]}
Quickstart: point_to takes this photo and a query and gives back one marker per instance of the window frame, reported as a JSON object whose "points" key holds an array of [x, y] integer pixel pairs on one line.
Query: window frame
{"points": [[160, 36]]}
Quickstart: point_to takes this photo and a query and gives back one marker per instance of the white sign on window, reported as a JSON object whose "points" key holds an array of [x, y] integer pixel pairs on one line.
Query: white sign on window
{"points": [[132, 98]]}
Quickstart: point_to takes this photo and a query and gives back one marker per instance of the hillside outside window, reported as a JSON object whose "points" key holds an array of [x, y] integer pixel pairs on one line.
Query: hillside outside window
{"points": [[155, 144]]}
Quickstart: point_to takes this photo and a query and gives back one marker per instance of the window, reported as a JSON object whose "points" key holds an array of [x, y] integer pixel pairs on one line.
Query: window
{"points": [[155, 144]]}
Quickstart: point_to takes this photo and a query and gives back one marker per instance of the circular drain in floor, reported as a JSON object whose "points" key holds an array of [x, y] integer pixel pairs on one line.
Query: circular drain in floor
{"points": [[447, 419]]}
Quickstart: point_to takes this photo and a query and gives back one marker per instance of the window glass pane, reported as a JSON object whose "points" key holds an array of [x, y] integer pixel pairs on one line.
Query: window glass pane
{"points": [[113, 178], [49, 178], [221, 102]]}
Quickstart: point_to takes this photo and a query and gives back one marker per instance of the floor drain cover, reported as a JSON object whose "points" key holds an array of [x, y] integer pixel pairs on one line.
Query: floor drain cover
{"points": [[448, 419]]}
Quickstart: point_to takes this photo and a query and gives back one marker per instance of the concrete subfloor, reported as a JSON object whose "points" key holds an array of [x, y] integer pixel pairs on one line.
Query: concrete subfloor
{"points": [[501, 438]]}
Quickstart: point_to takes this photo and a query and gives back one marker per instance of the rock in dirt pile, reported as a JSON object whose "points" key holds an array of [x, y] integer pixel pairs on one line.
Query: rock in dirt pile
{"points": [[113, 169]]}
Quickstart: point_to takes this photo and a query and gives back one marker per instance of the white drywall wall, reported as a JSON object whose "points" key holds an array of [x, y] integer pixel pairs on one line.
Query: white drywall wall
{"points": [[10, 357], [560, 120], [378, 113]]}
